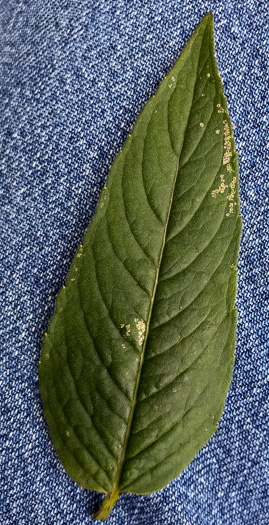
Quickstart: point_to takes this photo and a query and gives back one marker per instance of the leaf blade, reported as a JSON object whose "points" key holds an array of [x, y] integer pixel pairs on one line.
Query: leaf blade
{"points": [[127, 316]]}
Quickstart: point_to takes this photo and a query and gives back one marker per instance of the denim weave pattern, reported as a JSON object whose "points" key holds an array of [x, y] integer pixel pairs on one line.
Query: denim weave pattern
{"points": [[74, 76]]}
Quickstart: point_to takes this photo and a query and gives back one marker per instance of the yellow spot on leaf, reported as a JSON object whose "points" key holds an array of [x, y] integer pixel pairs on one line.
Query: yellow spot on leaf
{"points": [[141, 327], [227, 143], [220, 108], [222, 187], [127, 329]]}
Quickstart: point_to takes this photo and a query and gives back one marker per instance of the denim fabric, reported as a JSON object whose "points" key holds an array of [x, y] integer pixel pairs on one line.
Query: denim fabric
{"points": [[74, 76]]}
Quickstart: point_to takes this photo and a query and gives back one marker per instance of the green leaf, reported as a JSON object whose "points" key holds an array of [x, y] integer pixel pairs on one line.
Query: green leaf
{"points": [[139, 355]]}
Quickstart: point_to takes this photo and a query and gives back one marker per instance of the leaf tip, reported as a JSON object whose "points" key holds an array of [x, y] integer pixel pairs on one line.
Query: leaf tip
{"points": [[208, 17]]}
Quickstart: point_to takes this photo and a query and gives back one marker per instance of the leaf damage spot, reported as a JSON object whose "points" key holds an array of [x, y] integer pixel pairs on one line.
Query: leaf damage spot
{"points": [[141, 327], [227, 143], [68, 433], [220, 108], [127, 328], [230, 197], [202, 125], [222, 187]]}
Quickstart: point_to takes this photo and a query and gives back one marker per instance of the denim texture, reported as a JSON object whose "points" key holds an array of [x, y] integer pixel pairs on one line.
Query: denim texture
{"points": [[74, 76]]}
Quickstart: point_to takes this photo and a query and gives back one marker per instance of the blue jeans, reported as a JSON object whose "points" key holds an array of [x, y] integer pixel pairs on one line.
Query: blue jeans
{"points": [[74, 76]]}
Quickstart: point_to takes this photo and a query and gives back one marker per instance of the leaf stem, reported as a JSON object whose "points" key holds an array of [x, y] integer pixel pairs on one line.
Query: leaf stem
{"points": [[107, 505]]}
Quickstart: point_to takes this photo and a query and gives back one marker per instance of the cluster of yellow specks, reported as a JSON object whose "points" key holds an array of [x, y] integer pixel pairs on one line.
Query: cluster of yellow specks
{"points": [[217, 131], [173, 80], [231, 209], [230, 197], [222, 187], [141, 327], [201, 124], [220, 108], [208, 75], [127, 329], [227, 143], [105, 188]]}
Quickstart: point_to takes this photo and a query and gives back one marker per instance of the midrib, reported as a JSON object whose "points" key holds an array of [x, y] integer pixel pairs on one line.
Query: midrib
{"points": [[130, 421]]}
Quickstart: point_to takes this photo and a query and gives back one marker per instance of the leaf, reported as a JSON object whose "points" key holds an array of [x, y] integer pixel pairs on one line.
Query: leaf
{"points": [[139, 355]]}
